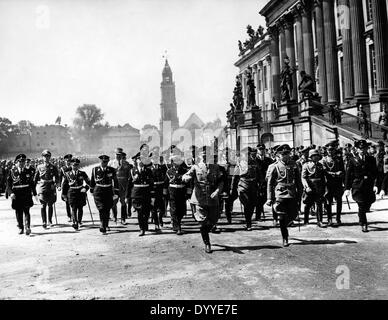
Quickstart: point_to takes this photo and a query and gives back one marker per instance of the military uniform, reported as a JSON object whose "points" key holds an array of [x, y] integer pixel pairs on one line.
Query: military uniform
{"points": [[314, 183], [104, 186], [159, 177], [249, 179], [63, 169], [207, 180], [48, 178], [283, 190], [360, 178], [123, 169], [21, 187], [263, 163], [334, 169], [177, 191], [140, 186], [74, 191]]}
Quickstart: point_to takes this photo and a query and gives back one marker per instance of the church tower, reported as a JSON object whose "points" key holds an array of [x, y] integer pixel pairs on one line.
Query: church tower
{"points": [[168, 106]]}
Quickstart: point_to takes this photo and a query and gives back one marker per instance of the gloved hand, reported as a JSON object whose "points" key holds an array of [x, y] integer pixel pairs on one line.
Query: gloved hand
{"points": [[115, 197], [83, 190], [13, 196], [347, 193], [64, 198], [382, 194], [214, 194], [268, 203], [152, 201], [375, 190], [36, 199], [308, 190], [59, 188]]}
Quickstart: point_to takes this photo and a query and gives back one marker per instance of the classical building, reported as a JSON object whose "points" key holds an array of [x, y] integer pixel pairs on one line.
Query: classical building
{"points": [[341, 44], [126, 137]]}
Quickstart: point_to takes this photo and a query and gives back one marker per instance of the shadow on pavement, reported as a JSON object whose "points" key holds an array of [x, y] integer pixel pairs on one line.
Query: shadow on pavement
{"points": [[313, 242], [248, 248]]}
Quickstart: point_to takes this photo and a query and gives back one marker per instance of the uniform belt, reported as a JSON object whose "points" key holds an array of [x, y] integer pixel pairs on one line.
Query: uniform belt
{"points": [[103, 185], [141, 185], [122, 178], [21, 186], [250, 179], [286, 184], [159, 182], [177, 186], [76, 187], [46, 180]]}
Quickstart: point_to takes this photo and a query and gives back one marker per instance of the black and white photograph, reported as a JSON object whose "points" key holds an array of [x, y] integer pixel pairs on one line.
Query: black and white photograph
{"points": [[208, 152]]}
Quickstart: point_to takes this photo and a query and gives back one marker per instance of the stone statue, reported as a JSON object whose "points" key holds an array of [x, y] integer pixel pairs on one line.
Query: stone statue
{"points": [[250, 31], [238, 101], [260, 32], [251, 94], [286, 84], [240, 46], [307, 87]]}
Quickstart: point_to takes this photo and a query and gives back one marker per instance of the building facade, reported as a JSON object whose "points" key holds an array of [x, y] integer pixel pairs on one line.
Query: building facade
{"points": [[125, 137], [342, 44]]}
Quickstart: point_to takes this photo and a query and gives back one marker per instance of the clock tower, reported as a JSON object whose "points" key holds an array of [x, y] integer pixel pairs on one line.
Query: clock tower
{"points": [[168, 106]]}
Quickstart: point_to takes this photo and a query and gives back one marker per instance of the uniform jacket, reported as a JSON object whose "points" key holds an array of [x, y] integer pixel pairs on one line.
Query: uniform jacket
{"points": [[16, 179], [207, 179], [62, 171], [334, 170], [139, 176], [284, 181], [247, 175], [75, 180], [361, 177], [313, 177], [46, 172], [159, 177], [122, 170], [104, 177]]}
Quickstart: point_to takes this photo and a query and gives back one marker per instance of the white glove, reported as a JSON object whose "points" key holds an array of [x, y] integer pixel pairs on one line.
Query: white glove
{"points": [[36, 199], [347, 193], [382, 194], [83, 190], [13, 196], [268, 203], [115, 197], [152, 201], [214, 194], [376, 190]]}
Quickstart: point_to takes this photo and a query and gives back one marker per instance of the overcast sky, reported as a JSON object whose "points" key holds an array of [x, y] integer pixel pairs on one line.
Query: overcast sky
{"points": [[59, 54]]}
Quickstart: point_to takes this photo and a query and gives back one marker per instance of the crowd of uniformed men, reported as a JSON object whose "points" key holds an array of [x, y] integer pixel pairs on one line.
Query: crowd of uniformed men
{"points": [[287, 179]]}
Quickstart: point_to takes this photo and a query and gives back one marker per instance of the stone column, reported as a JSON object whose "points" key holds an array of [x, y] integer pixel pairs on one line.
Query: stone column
{"points": [[275, 65], [282, 41], [299, 36], [347, 49], [380, 34], [290, 51], [332, 74], [321, 51], [360, 70], [308, 39]]}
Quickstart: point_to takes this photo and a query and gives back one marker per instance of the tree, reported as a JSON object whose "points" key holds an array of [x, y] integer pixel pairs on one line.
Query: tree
{"points": [[88, 127], [24, 126], [6, 129]]}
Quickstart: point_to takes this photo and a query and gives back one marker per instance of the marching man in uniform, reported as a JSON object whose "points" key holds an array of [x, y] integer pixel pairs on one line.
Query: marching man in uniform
{"points": [[47, 175], [176, 189], [284, 187], [122, 168], [21, 187], [74, 191], [66, 167], [334, 168], [208, 183], [360, 178], [139, 189], [105, 189], [159, 176], [314, 183]]}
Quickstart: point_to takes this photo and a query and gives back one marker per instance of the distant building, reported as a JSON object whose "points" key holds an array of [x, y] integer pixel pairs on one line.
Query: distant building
{"points": [[126, 137]]}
